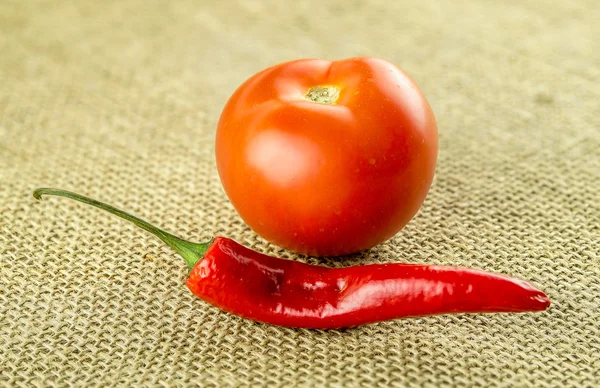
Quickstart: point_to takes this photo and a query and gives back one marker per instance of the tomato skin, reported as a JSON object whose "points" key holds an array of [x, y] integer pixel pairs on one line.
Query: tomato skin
{"points": [[327, 179]]}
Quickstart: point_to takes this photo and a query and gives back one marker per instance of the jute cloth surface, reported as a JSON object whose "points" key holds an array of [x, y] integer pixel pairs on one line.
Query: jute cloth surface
{"points": [[119, 100]]}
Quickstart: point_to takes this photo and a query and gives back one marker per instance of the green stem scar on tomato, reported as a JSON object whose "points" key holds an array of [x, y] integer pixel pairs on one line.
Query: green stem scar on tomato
{"points": [[327, 157]]}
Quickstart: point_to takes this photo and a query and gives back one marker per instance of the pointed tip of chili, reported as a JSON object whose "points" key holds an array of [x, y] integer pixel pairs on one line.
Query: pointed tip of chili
{"points": [[539, 302], [527, 297]]}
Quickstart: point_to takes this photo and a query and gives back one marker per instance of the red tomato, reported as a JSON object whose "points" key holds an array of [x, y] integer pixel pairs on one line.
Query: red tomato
{"points": [[327, 157]]}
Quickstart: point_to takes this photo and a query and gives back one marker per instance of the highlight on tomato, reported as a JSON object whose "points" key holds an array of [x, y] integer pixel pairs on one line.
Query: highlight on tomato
{"points": [[325, 157]]}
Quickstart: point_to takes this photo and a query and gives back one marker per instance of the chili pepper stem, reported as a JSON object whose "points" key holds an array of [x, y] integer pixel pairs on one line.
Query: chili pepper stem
{"points": [[191, 252]]}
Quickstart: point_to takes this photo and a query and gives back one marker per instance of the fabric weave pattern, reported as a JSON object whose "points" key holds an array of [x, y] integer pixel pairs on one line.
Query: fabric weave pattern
{"points": [[119, 100]]}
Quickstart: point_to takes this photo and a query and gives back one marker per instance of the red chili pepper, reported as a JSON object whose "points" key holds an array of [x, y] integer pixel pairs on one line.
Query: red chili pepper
{"points": [[289, 293]]}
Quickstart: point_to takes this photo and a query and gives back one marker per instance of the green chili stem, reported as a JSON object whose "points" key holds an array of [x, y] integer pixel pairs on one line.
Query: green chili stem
{"points": [[191, 252]]}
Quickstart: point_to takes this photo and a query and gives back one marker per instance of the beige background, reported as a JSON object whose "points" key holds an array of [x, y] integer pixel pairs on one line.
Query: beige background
{"points": [[119, 100]]}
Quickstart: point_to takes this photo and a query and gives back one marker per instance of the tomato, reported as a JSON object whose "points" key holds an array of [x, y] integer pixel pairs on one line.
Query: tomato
{"points": [[327, 157]]}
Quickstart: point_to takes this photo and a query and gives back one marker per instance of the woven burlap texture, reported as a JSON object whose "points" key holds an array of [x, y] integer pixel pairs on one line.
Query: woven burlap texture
{"points": [[119, 100]]}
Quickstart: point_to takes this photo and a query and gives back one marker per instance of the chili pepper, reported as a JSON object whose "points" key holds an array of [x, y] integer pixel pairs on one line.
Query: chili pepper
{"points": [[283, 292]]}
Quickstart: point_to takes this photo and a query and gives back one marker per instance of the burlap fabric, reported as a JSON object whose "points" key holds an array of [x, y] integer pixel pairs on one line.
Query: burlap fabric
{"points": [[119, 100]]}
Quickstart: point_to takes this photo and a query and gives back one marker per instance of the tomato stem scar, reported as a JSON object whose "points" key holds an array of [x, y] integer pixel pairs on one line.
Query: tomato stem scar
{"points": [[323, 94]]}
